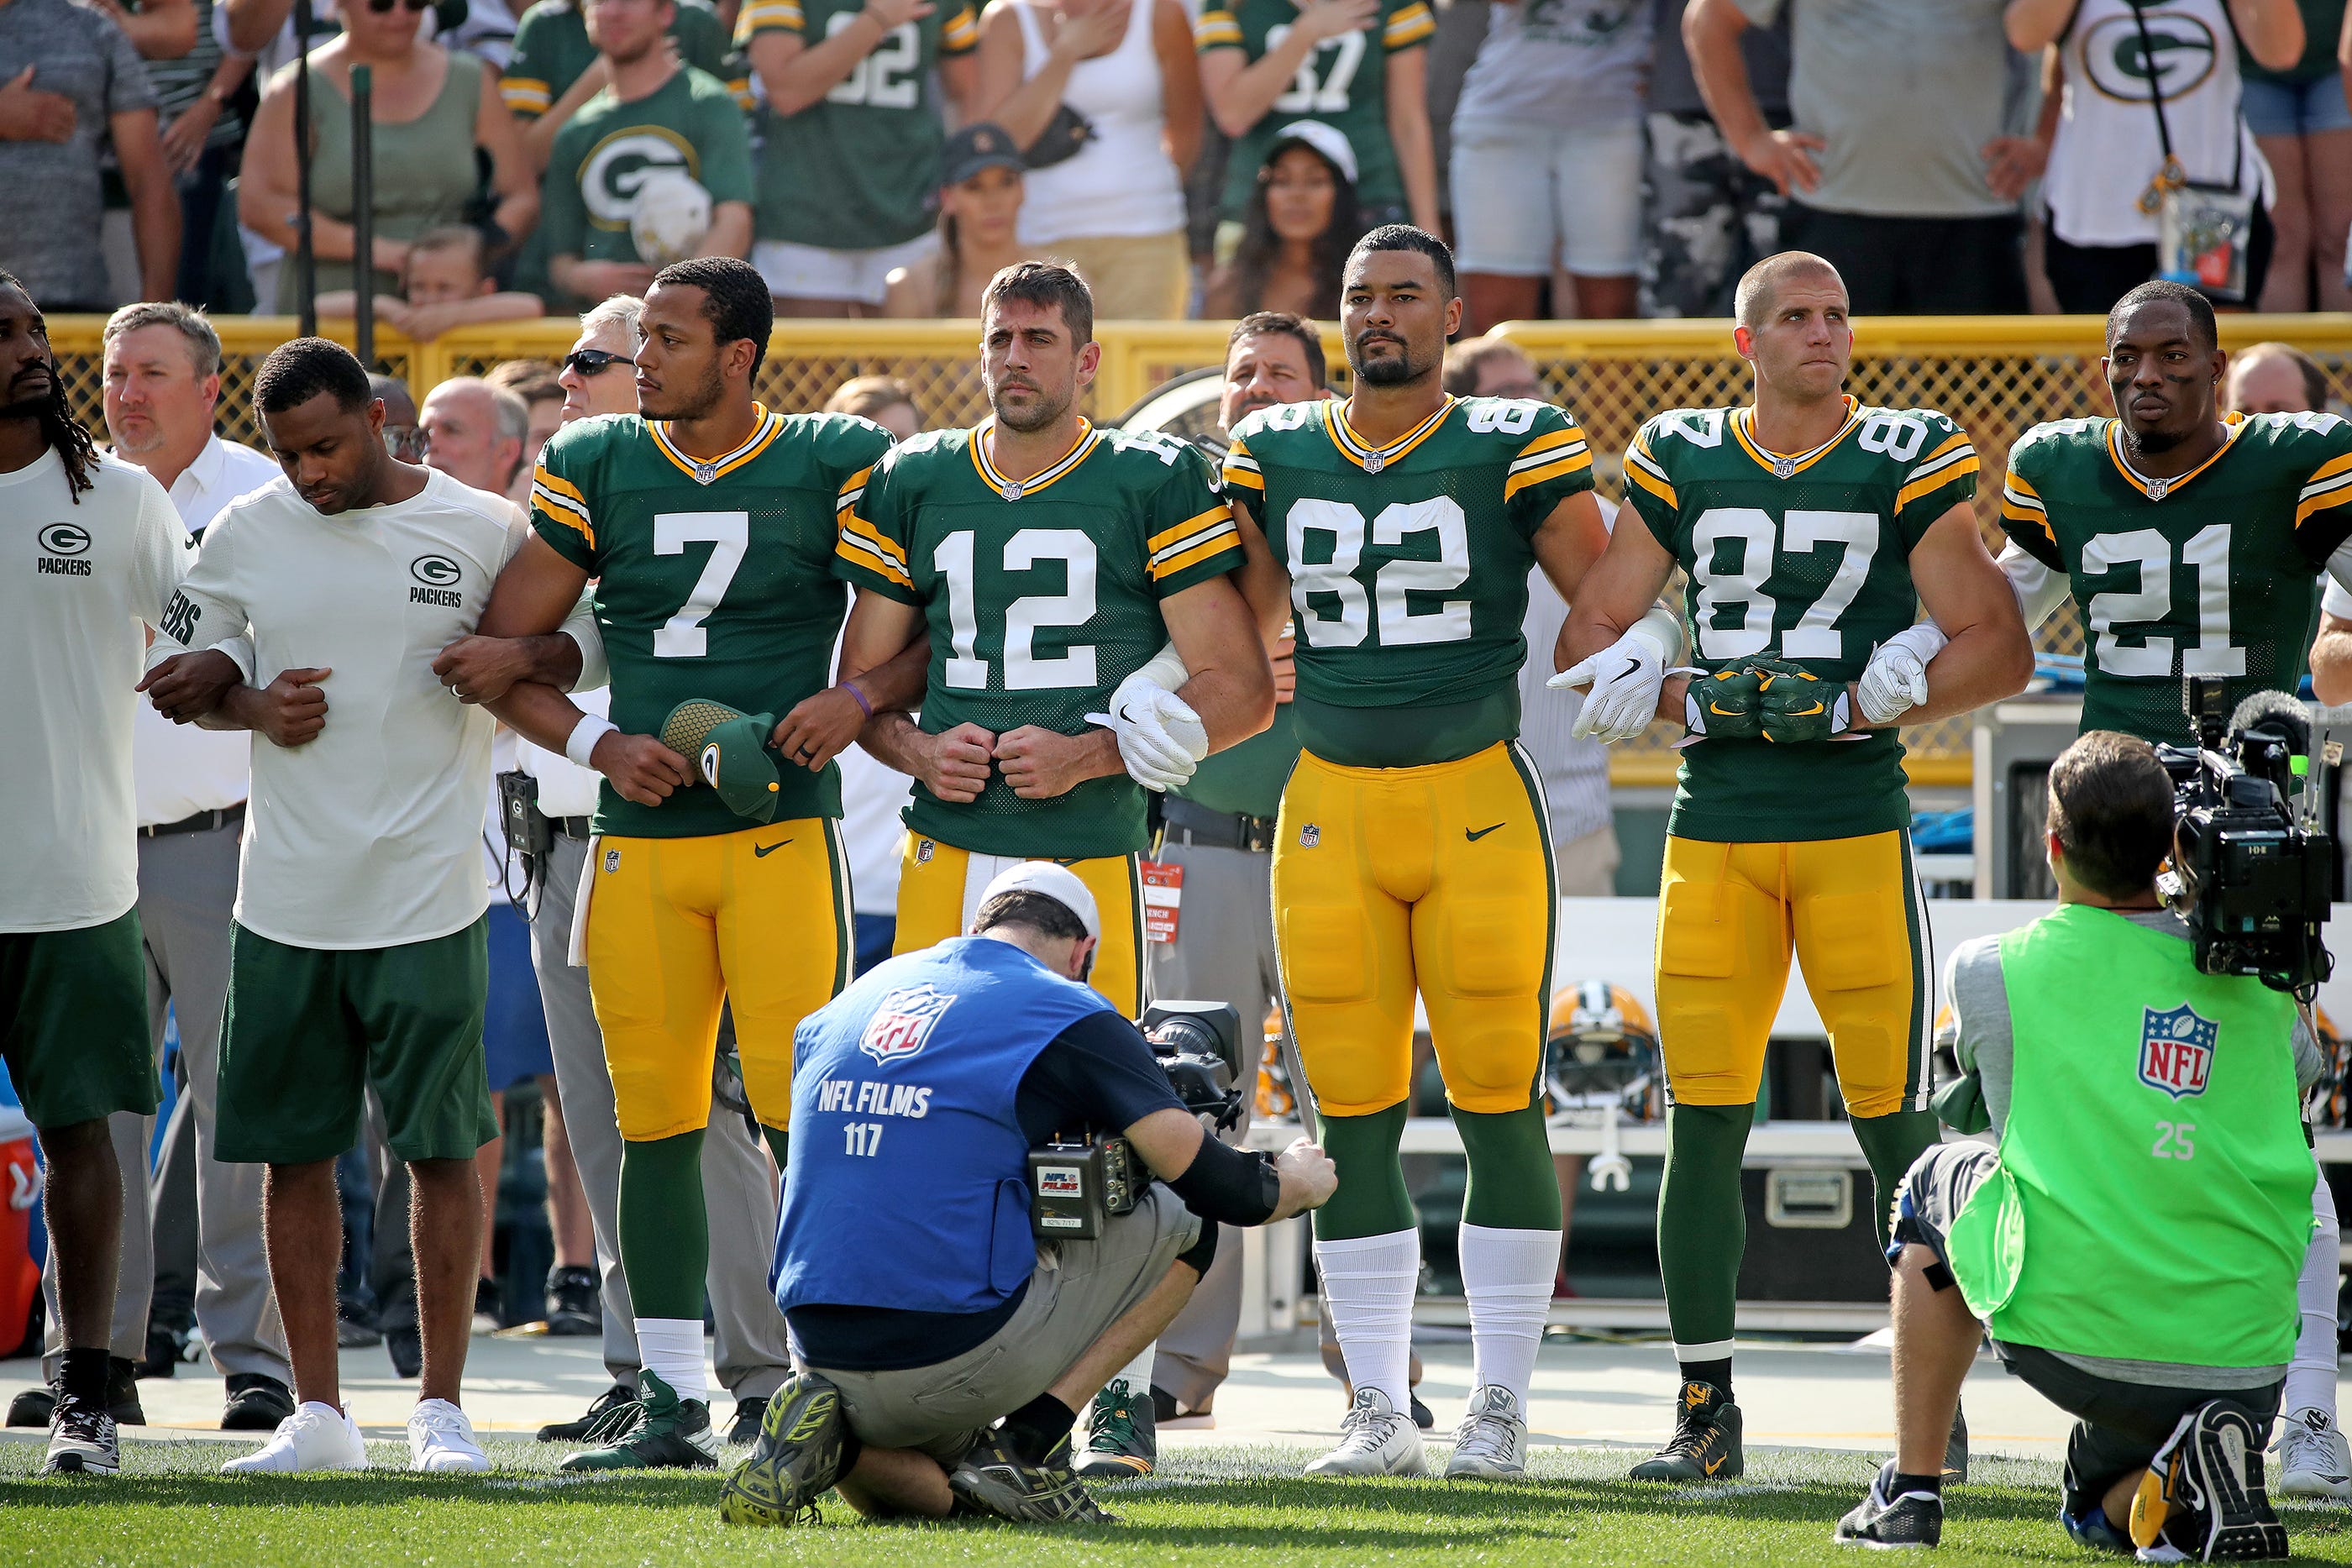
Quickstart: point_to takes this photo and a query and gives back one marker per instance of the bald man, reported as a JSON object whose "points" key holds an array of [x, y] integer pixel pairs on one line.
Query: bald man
{"points": [[476, 433], [2275, 378]]}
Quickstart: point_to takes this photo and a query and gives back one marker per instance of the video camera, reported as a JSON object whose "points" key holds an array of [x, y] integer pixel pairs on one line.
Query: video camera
{"points": [[1079, 1182], [2253, 869]]}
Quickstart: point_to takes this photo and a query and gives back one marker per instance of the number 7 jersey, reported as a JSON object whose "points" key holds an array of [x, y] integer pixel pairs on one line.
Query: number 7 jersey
{"points": [[2213, 573], [1804, 557]]}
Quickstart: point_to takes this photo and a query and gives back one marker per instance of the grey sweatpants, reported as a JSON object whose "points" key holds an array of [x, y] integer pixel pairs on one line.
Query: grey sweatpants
{"points": [[739, 1192]]}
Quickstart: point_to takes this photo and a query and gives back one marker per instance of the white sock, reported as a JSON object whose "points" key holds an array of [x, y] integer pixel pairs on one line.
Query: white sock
{"points": [[671, 1349], [1368, 1287], [1508, 1275], [2311, 1375], [1137, 1374]]}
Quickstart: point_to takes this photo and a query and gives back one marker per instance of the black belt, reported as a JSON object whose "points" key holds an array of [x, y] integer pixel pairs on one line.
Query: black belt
{"points": [[201, 822], [573, 827], [1215, 829]]}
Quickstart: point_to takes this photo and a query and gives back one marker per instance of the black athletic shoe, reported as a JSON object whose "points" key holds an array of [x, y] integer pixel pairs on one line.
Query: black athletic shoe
{"points": [[1888, 1521], [166, 1348], [575, 1306], [32, 1406], [745, 1427], [489, 1315], [613, 1408], [2202, 1498], [994, 1480], [256, 1402], [405, 1347], [1705, 1444], [1122, 1439], [36, 1407], [352, 1334], [798, 1459], [1423, 1416], [82, 1441]]}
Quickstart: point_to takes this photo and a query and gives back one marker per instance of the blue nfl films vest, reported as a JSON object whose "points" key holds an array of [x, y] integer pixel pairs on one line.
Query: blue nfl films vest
{"points": [[907, 1182]]}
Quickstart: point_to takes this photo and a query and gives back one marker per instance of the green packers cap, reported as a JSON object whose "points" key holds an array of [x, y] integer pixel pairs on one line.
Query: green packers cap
{"points": [[729, 750]]}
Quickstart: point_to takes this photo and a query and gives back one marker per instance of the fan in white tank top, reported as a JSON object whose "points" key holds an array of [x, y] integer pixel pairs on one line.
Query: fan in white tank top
{"points": [[1121, 183]]}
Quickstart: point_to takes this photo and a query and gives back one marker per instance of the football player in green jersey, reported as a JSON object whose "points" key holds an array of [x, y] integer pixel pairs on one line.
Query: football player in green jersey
{"points": [[1397, 530], [1813, 528], [1042, 563], [708, 524], [2193, 540]]}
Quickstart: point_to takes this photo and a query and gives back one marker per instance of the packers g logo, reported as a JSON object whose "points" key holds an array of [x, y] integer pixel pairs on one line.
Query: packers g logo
{"points": [[434, 571], [710, 764], [2177, 56], [64, 538], [612, 173]]}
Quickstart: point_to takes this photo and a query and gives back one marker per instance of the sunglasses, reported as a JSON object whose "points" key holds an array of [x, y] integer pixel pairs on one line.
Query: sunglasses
{"points": [[409, 442], [381, 6], [585, 362]]}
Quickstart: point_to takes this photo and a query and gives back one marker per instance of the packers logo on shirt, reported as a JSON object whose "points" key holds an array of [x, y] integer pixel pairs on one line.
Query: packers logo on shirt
{"points": [[614, 172], [63, 545], [2177, 56]]}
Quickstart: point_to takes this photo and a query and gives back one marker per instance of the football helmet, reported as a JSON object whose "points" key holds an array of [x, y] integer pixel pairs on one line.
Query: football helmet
{"points": [[1601, 1052]]}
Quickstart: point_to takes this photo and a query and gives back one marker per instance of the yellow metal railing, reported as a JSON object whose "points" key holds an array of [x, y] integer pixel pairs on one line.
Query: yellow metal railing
{"points": [[1997, 376]]}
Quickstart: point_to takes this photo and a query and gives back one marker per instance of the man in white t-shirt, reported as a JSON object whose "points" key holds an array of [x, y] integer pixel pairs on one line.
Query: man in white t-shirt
{"points": [[91, 550], [358, 957]]}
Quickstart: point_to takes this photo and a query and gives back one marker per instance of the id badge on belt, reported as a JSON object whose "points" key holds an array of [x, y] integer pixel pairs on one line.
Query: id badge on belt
{"points": [[1163, 897]]}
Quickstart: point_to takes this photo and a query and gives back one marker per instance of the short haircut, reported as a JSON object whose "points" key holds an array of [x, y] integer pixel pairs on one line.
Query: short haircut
{"points": [[2315, 378], [2159, 290], [456, 236], [1404, 237], [866, 396], [1282, 323], [204, 343], [624, 310], [1464, 360], [734, 299], [1026, 907], [514, 414], [1761, 284], [297, 371], [2111, 808], [1044, 283], [533, 380]]}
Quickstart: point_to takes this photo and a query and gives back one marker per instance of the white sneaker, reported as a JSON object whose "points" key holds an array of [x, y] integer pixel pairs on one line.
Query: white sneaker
{"points": [[1493, 1438], [2312, 1458], [315, 1438], [1374, 1440], [440, 1438]]}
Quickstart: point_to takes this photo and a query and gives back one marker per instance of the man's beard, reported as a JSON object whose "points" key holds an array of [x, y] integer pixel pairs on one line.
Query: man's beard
{"points": [[1042, 413], [2152, 442], [706, 393], [29, 407], [1389, 372]]}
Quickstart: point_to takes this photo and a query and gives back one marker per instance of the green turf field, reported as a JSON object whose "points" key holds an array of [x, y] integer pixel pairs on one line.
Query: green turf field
{"points": [[1229, 1504]]}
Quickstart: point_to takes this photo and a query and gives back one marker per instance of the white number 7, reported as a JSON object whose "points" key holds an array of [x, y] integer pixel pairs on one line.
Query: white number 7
{"points": [[729, 534]]}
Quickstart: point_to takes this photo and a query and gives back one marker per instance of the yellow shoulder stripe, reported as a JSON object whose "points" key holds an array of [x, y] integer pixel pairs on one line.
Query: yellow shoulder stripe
{"points": [[1207, 551], [2011, 512], [1551, 438], [1935, 482], [1566, 465], [2322, 503], [1652, 483], [1219, 515]]}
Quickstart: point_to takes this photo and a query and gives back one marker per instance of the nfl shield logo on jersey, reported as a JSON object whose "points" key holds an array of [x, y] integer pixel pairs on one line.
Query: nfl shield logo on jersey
{"points": [[1309, 836], [903, 1022], [2175, 1050]]}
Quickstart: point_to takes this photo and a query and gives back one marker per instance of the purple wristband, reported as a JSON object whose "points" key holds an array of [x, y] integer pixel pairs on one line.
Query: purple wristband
{"points": [[864, 707]]}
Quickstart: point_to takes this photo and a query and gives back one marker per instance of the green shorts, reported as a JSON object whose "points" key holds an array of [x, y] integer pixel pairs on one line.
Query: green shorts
{"points": [[73, 1022], [309, 1030]]}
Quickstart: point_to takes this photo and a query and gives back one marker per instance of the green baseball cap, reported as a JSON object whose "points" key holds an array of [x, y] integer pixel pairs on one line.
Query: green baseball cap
{"points": [[729, 749]]}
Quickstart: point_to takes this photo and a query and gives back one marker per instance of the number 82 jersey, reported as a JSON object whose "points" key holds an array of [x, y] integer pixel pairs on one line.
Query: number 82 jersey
{"points": [[1804, 557]]}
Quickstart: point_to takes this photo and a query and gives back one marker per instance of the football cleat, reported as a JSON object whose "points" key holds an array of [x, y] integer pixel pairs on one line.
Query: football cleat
{"points": [[1122, 1438], [798, 1458], [1492, 1441], [1888, 1520], [1375, 1440], [2202, 1498], [2092, 1528], [665, 1433], [82, 1440], [608, 1413], [2312, 1458], [999, 1482], [1705, 1444]]}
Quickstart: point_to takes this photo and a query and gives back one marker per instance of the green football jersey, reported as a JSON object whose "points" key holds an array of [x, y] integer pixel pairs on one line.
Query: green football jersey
{"points": [[1805, 558], [604, 153], [2214, 573], [858, 169], [714, 580], [551, 49], [1343, 84], [1408, 566], [1040, 597]]}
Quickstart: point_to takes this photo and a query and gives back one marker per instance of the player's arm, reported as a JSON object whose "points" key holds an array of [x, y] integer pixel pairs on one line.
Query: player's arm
{"points": [[1231, 681], [1614, 596], [1987, 655], [206, 611], [1567, 544], [822, 726], [796, 73], [953, 765]]}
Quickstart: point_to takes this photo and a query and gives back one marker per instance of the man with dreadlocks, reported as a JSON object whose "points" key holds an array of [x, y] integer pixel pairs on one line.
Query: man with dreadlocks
{"points": [[89, 547]]}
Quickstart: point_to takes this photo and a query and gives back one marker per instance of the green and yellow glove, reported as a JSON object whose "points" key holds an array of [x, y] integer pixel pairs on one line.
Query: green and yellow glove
{"points": [[1793, 706], [1721, 705]]}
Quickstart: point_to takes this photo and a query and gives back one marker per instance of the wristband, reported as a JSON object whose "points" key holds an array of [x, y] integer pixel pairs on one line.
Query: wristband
{"points": [[859, 697], [581, 744]]}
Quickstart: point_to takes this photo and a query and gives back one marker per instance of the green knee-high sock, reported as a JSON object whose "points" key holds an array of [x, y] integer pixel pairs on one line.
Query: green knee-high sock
{"points": [[1890, 1144], [664, 1238], [1370, 1199], [1702, 1224], [1512, 1186]]}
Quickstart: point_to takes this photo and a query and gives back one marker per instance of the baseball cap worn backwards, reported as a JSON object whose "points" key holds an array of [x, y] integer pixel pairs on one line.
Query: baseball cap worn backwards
{"points": [[1058, 882], [729, 750]]}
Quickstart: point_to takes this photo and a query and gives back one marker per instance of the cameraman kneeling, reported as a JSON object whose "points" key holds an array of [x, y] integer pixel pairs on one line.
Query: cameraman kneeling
{"points": [[922, 1309], [2133, 1244]]}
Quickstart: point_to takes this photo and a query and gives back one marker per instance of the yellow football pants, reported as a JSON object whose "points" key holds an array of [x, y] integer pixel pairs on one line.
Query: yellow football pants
{"points": [[938, 893], [1389, 880], [758, 920], [1851, 909]]}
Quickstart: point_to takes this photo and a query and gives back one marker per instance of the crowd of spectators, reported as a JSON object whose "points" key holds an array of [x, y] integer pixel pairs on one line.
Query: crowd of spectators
{"points": [[1587, 158]]}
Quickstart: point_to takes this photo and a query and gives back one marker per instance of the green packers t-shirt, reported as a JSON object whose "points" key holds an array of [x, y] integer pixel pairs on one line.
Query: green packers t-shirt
{"points": [[551, 48], [602, 156]]}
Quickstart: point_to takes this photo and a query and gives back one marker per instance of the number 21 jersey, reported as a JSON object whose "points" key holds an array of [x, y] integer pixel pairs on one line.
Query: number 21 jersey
{"points": [[1804, 557]]}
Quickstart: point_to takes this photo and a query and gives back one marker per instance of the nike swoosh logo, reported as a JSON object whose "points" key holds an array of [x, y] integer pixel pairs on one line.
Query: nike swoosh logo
{"points": [[1633, 667], [1808, 712], [1474, 834], [1715, 1464], [760, 852], [1714, 707]]}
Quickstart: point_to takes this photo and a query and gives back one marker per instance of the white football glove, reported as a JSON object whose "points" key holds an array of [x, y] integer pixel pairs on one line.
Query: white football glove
{"points": [[1895, 680], [1625, 677], [1161, 739]]}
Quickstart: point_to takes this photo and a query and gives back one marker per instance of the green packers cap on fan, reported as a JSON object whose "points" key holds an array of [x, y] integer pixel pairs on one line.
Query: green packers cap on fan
{"points": [[729, 750]]}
